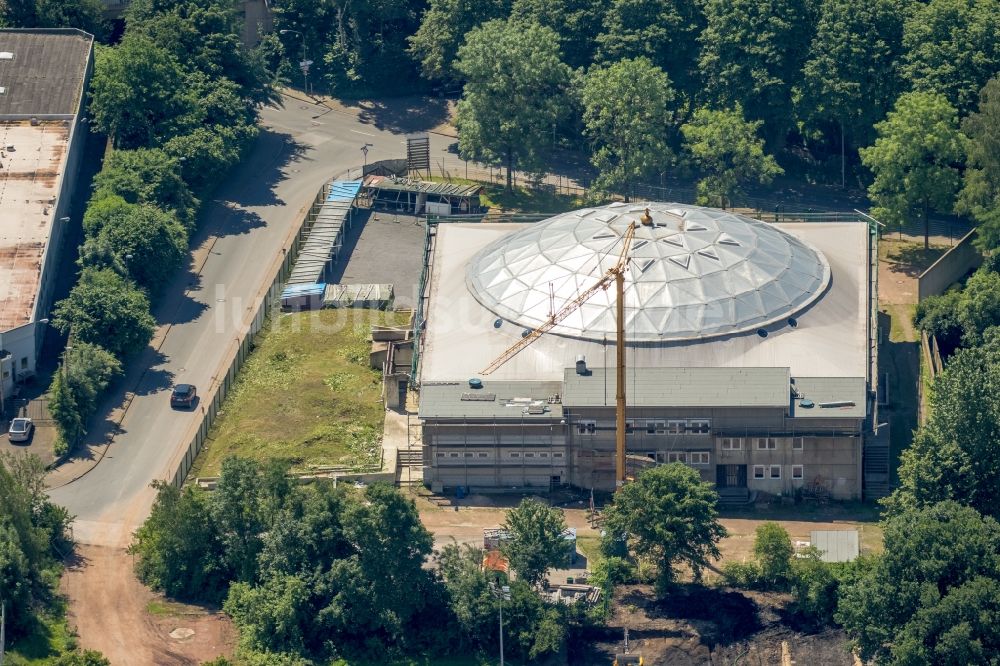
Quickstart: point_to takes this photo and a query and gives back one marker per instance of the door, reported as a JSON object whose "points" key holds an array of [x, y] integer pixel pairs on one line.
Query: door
{"points": [[402, 394], [731, 476]]}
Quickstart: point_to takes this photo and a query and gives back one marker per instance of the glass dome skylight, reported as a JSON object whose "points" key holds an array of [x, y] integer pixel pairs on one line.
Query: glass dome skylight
{"points": [[694, 273]]}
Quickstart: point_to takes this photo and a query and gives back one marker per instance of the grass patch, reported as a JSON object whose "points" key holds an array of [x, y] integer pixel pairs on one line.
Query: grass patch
{"points": [[590, 547], [51, 639], [306, 395]]}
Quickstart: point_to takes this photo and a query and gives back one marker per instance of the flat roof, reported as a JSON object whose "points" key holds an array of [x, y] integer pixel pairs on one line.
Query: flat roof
{"points": [[520, 401], [46, 73], [831, 397], [829, 340], [29, 182], [680, 387], [396, 184], [836, 545]]}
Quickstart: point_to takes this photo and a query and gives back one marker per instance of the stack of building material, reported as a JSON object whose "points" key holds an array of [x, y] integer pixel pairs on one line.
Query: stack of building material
{"points": [[375, 296]]}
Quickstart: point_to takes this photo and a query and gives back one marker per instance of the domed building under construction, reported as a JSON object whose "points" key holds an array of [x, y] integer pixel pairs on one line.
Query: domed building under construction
{"points": [[748, 350]]}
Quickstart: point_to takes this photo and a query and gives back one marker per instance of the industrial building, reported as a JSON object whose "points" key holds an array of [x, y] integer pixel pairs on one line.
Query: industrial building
{"points": [[749, 351], [43, 80]]}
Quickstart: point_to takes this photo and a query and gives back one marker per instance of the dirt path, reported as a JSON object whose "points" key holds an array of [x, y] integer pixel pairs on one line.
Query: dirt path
{"points": [[110, 610]]}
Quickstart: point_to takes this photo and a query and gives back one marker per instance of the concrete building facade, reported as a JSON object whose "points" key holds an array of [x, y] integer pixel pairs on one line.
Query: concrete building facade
{"points": [[764, 386], [43, 80]]}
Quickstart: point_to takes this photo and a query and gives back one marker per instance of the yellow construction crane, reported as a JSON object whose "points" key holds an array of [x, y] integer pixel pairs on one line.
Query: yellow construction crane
{"points": [[616, 274]]}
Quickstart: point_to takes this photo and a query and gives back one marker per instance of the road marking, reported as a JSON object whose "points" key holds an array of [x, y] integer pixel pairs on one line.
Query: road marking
{"points": [[360, 132]]}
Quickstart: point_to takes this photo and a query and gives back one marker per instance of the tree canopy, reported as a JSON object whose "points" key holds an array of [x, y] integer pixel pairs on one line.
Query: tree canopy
{"points": [[980, 196], [106, 309], [916, 160], [628, 114], [725, 147], [514, 94], [442, 30], [536, 541], [667, 516], [933, 596]]}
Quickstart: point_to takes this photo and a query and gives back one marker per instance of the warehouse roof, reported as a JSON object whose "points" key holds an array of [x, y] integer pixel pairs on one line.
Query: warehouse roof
{"points": [[519, 401], [42, 71], [680, 387]]}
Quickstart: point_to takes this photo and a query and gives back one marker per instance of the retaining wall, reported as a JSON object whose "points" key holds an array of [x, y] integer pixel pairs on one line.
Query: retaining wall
{"points": [[949, 268]]}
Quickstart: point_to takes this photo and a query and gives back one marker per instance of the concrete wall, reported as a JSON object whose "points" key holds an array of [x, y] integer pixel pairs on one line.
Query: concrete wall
{"points": [[949, 268]]}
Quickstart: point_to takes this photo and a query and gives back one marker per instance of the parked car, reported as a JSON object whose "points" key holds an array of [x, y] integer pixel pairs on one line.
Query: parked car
{"points": [[21, 430], [183, 396]]}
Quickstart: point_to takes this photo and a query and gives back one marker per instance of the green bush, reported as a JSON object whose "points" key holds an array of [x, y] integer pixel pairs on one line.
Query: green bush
{"points": [[772, 548], [744, 575]]}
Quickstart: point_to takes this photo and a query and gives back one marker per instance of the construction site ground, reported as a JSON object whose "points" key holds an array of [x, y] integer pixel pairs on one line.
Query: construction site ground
{"points": [[111, 611]]}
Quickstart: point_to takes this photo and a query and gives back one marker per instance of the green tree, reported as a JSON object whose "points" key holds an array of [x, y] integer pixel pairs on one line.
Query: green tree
{"points": [[536, 540], [87, 15], [32, 534], [627, 113], [954, 454], [668, 516], [136, 92], [933, 595], [105, 309], [144, 176], [952, 48], [209, 152], [852, 75], [178, 550], [515, 92], [980, 196], [938, 316], [915, 160], [816, 588], [665, 31], [725, 146], [85, 372], [752, 55], [577, 22], [273, 616], [151, 244], [104, 210], [772, 547], [533, 628], [443, 28]]}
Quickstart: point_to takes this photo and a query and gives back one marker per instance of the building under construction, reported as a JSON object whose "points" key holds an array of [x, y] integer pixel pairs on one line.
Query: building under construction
{"points": [[748, 350]]}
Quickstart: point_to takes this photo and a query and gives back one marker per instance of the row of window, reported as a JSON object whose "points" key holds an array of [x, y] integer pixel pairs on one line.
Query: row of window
{"points": [[774, 472], [480, 455], [760, 443], [654, 426]]}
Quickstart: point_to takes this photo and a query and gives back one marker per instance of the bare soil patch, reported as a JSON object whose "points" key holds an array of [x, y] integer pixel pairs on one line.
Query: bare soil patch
{"points": [[114, 613]]}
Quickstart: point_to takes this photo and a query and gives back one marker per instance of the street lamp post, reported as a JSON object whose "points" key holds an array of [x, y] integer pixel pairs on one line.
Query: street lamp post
{"points": [[502, 593], [364, 151], [303, 64]]}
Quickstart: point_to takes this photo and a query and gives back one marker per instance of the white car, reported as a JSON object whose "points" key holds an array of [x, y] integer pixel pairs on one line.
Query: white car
{"points": [[21, 430]]}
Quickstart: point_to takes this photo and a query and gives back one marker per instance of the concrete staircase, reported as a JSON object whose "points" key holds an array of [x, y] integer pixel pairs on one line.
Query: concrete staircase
{"points": [[410, 460], [875, 466], [734, 496]]}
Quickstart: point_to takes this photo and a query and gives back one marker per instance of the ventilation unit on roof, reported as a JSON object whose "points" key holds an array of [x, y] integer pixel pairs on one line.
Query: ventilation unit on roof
{"points": [[535, 409], [6, 55]]}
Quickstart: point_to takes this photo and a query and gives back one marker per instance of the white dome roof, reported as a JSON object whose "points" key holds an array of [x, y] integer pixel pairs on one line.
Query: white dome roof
{"points": [[696, 273]]}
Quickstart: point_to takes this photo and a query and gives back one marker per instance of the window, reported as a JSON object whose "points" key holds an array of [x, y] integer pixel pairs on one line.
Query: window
{"points": [[440, 454], [529, 455], [469, 455], [586, 427], [797, 472], [732, 443], [798, 443], [775, 471], [543, 455], [557, 455], [766, 443], [655, 427], [699, 457], [515, 454], [24, 362], [677, 456], [699, 426], [452, 455], [758, 471], [484, 455], [676, 427]]}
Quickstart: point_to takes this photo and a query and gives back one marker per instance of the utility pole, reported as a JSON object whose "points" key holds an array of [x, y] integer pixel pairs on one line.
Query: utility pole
{"points": [[3, 629], [620, 381]]}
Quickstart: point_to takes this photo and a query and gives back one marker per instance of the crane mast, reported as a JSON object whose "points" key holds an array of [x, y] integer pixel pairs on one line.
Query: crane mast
{"points": [[614, 274]]}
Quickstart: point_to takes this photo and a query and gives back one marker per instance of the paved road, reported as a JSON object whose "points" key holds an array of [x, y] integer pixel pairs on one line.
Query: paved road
{"points": [[243, 230]]}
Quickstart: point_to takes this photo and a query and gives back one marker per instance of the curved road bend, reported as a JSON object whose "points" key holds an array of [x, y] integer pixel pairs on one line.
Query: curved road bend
{"points": [[243, 228]]}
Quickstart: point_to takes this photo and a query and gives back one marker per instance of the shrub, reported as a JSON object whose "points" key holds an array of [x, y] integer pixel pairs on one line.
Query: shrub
{"points": [[744, 575]]}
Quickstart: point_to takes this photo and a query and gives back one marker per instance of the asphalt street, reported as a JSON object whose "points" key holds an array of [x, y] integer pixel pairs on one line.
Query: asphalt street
{"points": [[243, 228]]}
